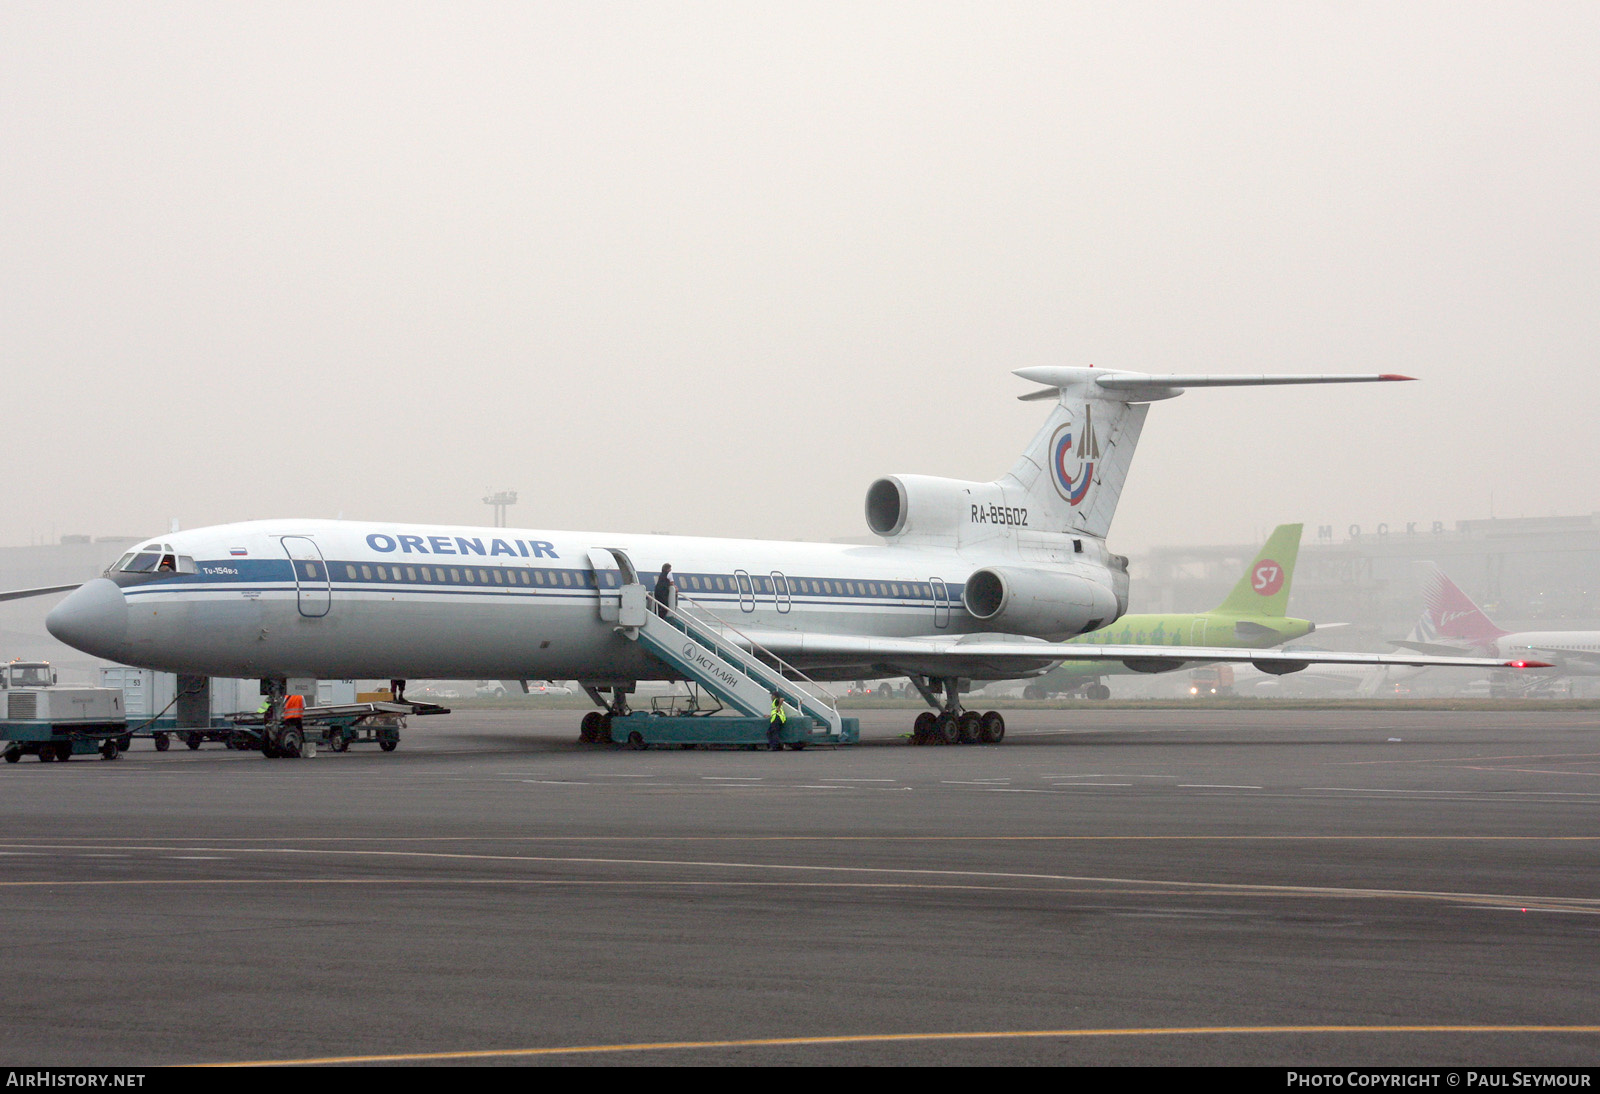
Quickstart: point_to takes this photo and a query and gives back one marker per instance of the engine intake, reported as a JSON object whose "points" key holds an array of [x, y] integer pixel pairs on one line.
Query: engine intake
{"points": [[1040, 603]]}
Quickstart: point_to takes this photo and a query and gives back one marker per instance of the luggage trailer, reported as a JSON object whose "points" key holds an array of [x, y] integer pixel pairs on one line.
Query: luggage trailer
{"points": [[337, 726]]}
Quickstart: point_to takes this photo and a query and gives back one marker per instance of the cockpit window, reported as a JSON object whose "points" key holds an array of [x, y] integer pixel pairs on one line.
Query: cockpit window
{"points": [[155, 558]]}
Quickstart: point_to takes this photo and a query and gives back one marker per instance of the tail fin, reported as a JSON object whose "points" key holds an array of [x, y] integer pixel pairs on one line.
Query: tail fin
{"points": [[1451, 614], [1264, 587], [1071, 474], [1073, 470]]}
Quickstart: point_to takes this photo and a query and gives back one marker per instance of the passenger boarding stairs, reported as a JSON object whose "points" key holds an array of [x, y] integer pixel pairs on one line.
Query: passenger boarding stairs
{"points": [[725, 662]]}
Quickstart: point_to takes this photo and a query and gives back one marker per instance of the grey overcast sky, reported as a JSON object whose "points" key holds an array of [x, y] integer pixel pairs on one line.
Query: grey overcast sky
{"points": [[713, 267]]}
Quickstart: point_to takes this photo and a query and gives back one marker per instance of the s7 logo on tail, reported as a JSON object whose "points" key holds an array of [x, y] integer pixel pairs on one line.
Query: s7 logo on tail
{"points": [[1267, 577]]}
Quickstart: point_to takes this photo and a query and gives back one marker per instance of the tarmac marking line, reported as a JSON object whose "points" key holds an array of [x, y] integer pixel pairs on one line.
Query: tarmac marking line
{"points": [[39, 844], [1585, 904], [1381, 790], [905, 1038], [1474, 759]]}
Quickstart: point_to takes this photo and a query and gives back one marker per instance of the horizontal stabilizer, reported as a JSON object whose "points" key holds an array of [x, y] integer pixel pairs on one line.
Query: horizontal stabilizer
{"points": [[1138, 387]]}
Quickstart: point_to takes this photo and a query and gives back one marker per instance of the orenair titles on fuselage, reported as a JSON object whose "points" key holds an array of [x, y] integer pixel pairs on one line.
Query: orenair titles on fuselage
{"points": [[461, 545]]}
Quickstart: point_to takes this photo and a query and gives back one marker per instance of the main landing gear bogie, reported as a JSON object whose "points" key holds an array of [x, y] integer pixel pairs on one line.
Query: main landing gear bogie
{"points": [[966, 728]]}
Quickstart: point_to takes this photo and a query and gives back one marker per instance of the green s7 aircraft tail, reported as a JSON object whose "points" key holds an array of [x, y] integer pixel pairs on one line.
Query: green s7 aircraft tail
{"points": [[1264, 587], [1252, 616]]}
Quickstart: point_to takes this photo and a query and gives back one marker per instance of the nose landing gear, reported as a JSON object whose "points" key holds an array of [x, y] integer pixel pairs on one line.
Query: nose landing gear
{"points": [[596, 725]]}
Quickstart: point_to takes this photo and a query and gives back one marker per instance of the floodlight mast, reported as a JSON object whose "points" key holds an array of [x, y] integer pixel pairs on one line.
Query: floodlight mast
{"points": [[501, 502]]}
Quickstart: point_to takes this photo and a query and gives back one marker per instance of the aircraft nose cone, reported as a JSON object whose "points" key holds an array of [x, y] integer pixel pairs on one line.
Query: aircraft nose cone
{"points": [[93, 618]]}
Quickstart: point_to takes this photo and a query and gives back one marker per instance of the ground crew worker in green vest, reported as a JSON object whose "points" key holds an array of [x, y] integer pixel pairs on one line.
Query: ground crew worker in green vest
{"points": [[775, 724]]}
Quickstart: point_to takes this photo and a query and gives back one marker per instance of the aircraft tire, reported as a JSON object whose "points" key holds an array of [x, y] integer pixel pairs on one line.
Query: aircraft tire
{"points": [[1033, 692], [992, 729], [589, 728], [968, 726], [603, 734], [922, 728], [1100, 691], [291, 742], [946, 730]]}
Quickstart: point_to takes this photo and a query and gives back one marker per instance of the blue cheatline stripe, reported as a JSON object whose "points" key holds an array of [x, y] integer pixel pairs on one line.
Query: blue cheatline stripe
{"points": [[242, 575]]}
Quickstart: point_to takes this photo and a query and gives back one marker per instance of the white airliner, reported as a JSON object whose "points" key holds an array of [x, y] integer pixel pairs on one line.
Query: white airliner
{"points": [[975, 580], [1454, 624]]}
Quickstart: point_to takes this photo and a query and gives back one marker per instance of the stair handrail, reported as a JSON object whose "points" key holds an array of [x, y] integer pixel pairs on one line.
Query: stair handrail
{"points": [[808, 687]]}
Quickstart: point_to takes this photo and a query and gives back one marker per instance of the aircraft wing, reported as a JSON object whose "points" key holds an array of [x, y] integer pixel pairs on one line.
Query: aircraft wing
{"points": [[1000, 655], [1571, 659], [23, 594], [1432, 649]]}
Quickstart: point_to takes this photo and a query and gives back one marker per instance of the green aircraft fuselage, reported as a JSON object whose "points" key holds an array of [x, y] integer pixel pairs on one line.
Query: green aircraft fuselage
{"points": [[1251, 618], [1195, 629]]}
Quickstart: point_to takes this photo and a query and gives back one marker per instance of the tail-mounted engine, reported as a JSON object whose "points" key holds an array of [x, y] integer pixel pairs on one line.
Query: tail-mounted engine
{"points": [[1041, 603], [921, 508]]}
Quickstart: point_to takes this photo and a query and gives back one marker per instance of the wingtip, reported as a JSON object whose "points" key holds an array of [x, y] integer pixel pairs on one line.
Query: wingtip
{"points": [[1395, 376], [1529, 665]]}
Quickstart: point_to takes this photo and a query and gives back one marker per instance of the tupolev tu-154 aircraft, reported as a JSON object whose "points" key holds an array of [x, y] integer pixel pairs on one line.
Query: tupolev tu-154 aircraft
{"points": [[974, 581]]}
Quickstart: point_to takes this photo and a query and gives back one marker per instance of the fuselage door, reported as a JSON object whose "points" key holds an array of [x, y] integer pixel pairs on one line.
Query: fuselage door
{"points": [[780, 592], [609, 577], [941, 602], [313, 588], [747, 592]]}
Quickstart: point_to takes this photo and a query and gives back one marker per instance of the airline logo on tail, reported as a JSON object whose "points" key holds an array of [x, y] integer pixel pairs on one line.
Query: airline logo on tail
{"points": [[1267, 577], [1072, 465], [1451, 614]]}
